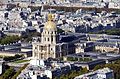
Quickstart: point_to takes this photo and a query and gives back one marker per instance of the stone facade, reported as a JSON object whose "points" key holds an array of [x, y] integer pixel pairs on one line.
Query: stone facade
{"points": [[49, 45]]}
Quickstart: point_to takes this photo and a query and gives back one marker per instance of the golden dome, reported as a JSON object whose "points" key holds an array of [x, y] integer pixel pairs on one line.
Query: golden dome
{"points": [[50, 24]]}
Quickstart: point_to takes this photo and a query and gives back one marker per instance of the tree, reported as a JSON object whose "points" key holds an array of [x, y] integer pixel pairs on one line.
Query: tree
{"points": [[84, 70], [29, 35], [114, 66], [9, 39], [8, 74], [73, 74], [98, 67], [115, 31], [9, 58], [60, 30], [19, 71]]}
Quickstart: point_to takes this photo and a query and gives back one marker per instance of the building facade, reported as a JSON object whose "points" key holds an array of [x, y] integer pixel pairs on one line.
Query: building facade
{"points": [[104, 73], [49, 45]]}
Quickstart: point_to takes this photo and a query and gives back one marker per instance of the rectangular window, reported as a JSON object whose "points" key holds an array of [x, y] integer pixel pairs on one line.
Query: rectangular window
{"points": [[52, 38], [48, 39]]}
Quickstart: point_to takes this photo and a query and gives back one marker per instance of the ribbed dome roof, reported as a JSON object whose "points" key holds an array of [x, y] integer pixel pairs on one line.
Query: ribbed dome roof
{"points": [[50, 24]]}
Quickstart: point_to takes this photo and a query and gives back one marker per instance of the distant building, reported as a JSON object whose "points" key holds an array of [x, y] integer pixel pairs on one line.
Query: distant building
{"points": [[49, 44], [91, 59], [104, 73], [84, 47], [107, 47], [39, 69], [11, 33], [16, 48]]}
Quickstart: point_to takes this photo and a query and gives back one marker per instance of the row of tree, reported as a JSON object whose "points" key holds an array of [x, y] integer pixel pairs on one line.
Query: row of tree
{"points": [[9, 39], [115, 31], [11, 73], [28, 36], [114, 66], [73, 9], [19, 71], [85, 59], [11, 58], [73, 74], [8, 74]]}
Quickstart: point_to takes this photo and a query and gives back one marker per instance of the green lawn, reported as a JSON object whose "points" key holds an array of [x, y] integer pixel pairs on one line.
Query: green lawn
{"points": [[21, 61]]}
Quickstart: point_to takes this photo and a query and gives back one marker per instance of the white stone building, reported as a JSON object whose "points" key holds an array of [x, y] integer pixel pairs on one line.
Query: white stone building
{"points": [[104, 73], [49, 44]]}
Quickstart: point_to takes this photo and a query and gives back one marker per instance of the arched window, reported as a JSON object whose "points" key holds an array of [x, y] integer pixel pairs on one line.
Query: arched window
{"points": [[48, 39], [52, 32], [52, 38], [55, 32], [35, 47]]}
